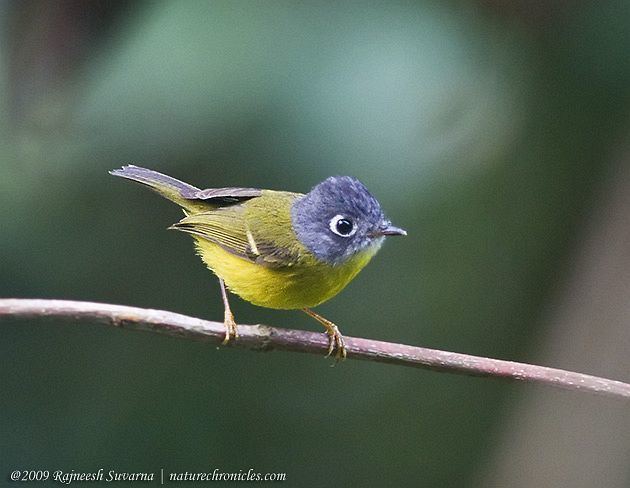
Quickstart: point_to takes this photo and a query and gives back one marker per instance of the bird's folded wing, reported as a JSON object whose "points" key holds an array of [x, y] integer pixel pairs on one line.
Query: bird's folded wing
{"points": [[227, 227]]}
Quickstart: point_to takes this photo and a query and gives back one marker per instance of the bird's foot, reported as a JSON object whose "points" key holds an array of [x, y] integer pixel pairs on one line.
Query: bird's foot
{"points": [[230, 327], [336, 341]]}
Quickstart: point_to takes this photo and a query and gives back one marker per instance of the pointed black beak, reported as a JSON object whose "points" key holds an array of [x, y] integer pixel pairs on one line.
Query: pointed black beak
{"points": [[390, 230]]}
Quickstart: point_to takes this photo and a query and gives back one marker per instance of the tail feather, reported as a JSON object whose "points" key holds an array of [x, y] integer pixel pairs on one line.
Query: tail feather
{"points": [[175, 190]]}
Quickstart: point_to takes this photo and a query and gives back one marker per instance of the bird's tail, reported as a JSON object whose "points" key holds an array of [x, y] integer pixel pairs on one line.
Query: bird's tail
{"points": [[176, 191]]}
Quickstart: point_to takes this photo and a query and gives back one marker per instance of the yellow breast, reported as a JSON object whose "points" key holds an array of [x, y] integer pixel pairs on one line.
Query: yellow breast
{"points": [[291, 287]]}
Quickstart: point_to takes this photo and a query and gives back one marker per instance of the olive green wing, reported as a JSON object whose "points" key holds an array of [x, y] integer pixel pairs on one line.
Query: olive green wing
{"points": [[223, 226], [258, 229]]}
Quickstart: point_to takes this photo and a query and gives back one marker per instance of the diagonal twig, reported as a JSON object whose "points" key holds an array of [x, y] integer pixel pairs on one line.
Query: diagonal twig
{"points": [[265, 338]]}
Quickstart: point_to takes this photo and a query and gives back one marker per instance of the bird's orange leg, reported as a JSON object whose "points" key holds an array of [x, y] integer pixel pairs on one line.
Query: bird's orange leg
{"points": [[228, 317], [335, 339]]}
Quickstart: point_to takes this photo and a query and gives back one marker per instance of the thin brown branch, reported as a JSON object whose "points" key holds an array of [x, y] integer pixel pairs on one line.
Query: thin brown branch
{"points": [[265, 338]]}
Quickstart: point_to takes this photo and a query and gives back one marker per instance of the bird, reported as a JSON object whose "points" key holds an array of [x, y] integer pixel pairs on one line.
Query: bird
{"points": [[278, 249]]}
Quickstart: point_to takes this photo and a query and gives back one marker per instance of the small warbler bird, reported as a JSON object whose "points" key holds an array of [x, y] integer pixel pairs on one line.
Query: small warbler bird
{"points": [[279, 249]]}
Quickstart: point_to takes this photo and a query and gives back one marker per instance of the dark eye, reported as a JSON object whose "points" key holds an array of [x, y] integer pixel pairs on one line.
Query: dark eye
{"points": [[342, 226]]}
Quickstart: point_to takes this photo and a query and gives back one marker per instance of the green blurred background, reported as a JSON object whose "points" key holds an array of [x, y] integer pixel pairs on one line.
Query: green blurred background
{"points": [[487, 129]]}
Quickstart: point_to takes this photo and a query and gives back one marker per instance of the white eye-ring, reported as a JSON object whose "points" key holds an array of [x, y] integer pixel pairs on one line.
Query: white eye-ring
{"points": [[342, 226]]}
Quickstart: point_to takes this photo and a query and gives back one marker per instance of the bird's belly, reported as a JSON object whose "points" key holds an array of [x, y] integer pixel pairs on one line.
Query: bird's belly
{"points": [[289, 287]]}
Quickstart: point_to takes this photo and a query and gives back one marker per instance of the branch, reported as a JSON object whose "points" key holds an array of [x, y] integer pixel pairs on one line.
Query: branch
{"points": [[265, 338]]}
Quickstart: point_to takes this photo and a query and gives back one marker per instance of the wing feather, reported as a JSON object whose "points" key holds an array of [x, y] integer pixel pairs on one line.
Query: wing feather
{"points": [[273, 244], [224, 195], [223, 226]]}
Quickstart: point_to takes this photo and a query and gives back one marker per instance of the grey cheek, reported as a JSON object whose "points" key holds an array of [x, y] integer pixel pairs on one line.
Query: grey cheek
{"points": [[320, 243]]}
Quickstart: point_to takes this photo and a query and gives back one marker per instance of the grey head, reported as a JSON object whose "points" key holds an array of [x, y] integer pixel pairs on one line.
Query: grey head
{"points": [[339, 218]]}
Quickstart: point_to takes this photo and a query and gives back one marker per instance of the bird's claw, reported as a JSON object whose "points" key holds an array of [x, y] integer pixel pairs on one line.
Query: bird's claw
{"points": [[336, 341], [230, 327]]}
